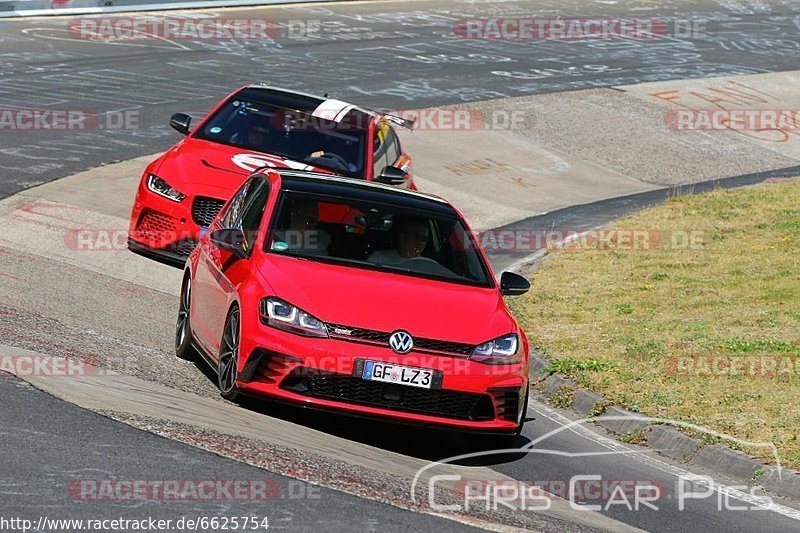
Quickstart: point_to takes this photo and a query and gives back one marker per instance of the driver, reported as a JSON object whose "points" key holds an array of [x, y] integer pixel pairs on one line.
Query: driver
{"points": [[252, 135], [412, 240], [332, 160]]}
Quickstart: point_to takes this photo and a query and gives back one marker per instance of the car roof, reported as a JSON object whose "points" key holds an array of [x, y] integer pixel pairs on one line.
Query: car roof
{"points": [[318, 183], [309, 103]]}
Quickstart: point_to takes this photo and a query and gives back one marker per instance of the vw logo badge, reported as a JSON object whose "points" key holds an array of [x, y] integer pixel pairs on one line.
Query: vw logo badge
{"points": [[401, 342]]}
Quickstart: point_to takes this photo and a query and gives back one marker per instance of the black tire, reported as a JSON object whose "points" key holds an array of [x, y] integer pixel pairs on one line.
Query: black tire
{"points": [[183, 328], [229, 357]]}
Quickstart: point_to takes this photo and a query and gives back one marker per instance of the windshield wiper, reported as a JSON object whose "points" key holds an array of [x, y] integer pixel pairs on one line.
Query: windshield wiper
{"points": [[285, 156]]}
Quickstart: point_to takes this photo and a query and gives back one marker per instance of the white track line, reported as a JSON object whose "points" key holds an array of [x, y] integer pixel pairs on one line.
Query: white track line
{"points": [[588, 434]]}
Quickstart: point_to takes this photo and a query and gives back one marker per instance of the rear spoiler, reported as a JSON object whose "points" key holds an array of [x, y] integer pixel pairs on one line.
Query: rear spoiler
{"points": [[407, 123]]}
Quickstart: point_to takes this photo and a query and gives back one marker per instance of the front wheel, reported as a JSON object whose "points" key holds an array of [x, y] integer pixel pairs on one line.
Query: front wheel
{"points": [[227, 367]]}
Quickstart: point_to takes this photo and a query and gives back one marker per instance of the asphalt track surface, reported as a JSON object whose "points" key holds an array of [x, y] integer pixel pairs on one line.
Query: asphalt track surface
{"points": [[390, 55], [47, 458]]}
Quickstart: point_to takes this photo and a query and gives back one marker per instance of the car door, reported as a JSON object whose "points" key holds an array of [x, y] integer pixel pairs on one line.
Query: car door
{"points": [[206, 271], [220, 272], [231, 269]]}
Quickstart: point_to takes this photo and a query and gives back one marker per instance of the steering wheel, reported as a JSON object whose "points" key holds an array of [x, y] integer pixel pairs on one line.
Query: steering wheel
{"points": [[425, 265], [411, 261], [334, 158]]}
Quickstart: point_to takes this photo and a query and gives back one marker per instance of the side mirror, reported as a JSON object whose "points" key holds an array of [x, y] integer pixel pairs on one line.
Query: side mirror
{"points": [[180, 122], [513, 284], [231, 240], [391, 176]]}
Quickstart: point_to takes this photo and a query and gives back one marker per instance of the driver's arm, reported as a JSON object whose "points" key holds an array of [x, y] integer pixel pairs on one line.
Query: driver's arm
{"points": [[318, 153]]}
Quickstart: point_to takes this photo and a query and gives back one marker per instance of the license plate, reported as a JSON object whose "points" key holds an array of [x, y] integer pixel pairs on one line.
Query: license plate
{"points": [[401, 375]]}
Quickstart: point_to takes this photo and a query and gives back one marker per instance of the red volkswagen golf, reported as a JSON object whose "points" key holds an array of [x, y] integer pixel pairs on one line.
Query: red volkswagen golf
{"points": [[359, 297]]}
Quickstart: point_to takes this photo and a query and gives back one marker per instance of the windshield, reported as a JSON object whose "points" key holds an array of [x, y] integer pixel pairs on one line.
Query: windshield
{"points": [[377, 236], [248, 122]]}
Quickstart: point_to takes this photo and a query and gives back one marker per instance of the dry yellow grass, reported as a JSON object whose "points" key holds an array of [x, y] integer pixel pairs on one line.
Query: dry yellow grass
{"points": [[628, 324]]}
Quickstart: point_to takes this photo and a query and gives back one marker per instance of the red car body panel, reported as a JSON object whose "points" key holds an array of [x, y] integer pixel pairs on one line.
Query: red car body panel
{"points": [[305, 281], [166, 230], [337, 294]]}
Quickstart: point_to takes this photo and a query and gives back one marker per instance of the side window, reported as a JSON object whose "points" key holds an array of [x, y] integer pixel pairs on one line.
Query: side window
{"points": [[229, 215], [246, 209], [254, 203], [392, 147]]}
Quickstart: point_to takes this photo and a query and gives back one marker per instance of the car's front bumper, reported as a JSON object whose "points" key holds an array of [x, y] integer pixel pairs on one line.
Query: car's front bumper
{"points": [[161, 229], [173, 256], [322, 373]]}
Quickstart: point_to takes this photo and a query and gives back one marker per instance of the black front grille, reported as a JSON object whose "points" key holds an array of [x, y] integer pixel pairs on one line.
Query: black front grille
{"points": [[348, 333], [443, 346], [272, 365], [370, 336], [204, 210], [338, 387]]}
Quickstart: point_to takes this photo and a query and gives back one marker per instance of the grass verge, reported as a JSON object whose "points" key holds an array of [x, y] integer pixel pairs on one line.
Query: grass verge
{"points": [[698, 322]]}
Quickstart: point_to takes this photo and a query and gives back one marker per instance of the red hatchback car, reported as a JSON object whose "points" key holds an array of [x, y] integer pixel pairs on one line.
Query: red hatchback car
{"points": [[359, 297], [257, 126]]}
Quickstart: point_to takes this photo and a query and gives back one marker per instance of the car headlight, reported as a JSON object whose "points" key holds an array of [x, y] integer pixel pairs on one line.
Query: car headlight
{"points": [[162, 188], [283, 315], [502, 350]]}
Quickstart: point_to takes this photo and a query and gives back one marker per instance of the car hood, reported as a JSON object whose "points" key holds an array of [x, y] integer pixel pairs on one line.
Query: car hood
{"points": [[386, 302], [203, 166]]}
